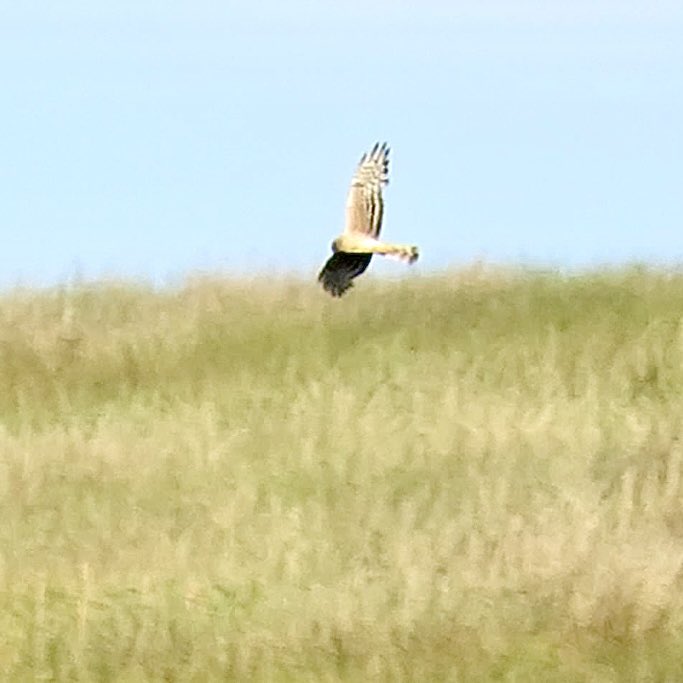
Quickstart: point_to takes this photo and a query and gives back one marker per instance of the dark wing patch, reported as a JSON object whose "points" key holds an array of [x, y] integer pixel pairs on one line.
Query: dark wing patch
{"points": [[340, 269]]}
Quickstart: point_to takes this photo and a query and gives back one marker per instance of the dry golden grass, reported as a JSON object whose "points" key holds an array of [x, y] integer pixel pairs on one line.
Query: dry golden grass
{"points": [[475, 476]]}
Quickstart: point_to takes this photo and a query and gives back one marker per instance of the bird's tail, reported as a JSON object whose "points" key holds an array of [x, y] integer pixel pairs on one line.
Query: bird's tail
{"points": [[403, 252]]}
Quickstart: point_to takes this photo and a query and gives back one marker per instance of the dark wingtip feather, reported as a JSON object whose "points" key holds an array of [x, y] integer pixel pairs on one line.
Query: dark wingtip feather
{"points": [[334, 282], [340, 269]]}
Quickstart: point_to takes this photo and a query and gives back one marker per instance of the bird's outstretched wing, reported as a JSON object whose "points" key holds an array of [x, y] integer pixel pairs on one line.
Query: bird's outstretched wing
{"points": [[340, 269], [364, 204]]}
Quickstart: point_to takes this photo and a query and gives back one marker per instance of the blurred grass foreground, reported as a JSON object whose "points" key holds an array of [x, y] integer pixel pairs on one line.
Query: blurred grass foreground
{"points": [[471, 476]]}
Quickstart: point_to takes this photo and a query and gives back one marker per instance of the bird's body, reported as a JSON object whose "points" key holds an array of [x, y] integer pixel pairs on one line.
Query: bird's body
{"points": [[354, 248]]}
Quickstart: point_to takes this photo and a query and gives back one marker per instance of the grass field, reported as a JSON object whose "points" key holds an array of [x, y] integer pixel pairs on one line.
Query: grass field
{"points": [[473, 476]]}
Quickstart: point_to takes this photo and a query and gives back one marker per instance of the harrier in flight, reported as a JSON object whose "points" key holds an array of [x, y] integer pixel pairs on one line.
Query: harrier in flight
{"points": [[354, 248]]}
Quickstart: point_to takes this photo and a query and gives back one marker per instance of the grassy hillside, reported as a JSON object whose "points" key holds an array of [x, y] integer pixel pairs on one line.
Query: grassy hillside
{"points": [[468, 477]]}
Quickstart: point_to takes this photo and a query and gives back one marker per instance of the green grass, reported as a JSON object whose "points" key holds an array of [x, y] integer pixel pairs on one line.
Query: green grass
{"points": [[473, 476]]}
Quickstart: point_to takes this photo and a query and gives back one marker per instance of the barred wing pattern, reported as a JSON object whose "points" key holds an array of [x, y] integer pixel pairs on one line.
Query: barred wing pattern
{"points": [[354, 248], [364, 205]]}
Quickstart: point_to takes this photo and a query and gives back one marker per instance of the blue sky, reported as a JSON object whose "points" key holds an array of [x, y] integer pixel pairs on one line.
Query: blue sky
{"points": [[154, 139]]}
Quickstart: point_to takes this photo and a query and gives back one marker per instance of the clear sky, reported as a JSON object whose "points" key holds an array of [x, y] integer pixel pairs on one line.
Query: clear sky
{"points": [[156, 138]]}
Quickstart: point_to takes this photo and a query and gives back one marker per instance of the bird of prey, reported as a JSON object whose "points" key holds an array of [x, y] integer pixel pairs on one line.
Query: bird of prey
{"points": [[354, 248]]}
